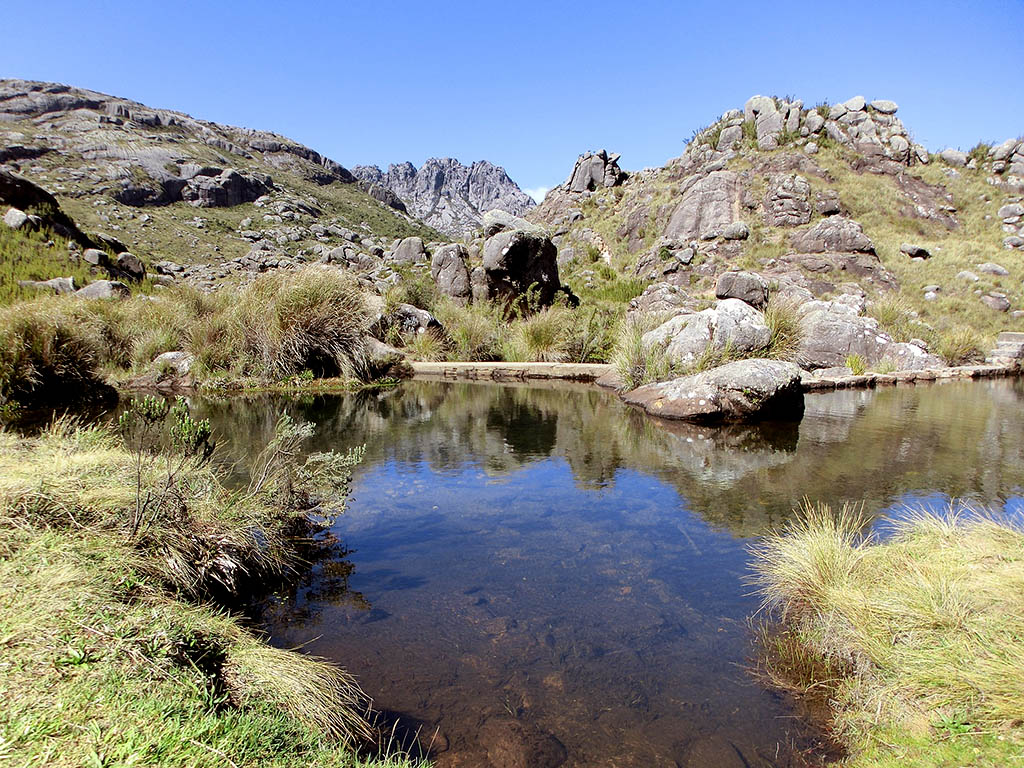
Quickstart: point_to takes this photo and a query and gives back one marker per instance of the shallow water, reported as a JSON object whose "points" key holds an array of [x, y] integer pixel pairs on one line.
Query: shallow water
{"points": [[543, 576]]}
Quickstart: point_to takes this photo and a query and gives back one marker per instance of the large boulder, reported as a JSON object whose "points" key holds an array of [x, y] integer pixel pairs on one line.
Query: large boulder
{"points": [[833, 331], [406, 320], [450, 273], [732, 324], [745, 286], [739, 391], [836, 234], [409, 251], [594, 170], [661, 298], [767, 118], [130, 266], [707, 208], [516, 261], [227, 189]]}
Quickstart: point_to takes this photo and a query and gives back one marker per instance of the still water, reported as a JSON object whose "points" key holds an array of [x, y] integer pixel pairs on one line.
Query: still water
{"points": [[543, 576]]}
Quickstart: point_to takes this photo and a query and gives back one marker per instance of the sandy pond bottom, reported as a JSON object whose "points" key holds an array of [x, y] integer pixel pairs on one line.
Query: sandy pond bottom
{"points": [[542, 577]]}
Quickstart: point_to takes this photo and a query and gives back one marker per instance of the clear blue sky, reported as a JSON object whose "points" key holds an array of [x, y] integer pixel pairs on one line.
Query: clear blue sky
{"points": [[528, 85]]}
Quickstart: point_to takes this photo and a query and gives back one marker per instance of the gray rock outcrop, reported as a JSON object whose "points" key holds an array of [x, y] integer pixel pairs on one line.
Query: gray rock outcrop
{"points": [[706, 209], [835, 234], [743, 390], [748, 287], [594, 170], [447, 195], [104, 289]]}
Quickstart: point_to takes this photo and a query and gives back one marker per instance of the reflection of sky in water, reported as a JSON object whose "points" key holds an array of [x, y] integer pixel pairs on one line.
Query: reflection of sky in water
{"points": [[551, 557]]}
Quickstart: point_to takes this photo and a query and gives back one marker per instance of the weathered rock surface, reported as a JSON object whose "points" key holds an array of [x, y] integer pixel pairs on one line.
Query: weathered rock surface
{"points": [[706, 209], [57, 285], [226, 189], [833, 331], [739, 391], [594, 170], [409, 251], [447, 195], [788, 201]]}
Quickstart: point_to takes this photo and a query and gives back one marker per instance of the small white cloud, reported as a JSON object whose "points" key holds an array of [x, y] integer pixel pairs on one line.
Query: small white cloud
{"points": [[537, 193]]}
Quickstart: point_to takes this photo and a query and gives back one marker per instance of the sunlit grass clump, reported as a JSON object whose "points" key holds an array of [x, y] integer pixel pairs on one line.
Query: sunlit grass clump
{"points": [[916, 639]]}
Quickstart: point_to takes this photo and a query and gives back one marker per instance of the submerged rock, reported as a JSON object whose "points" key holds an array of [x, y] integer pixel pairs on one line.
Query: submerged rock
{"points": [[742, 390]]}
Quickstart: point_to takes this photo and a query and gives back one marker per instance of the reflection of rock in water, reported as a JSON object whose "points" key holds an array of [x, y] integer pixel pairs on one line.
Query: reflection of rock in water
{"points": [[526, 430]]}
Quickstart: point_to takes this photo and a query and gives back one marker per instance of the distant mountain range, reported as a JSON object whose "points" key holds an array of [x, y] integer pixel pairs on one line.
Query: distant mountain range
{"points": [[444, 193]]}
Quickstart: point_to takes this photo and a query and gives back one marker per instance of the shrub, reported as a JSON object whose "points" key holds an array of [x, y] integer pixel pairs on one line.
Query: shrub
{"points": [[783, 321], [474, 331], [315, 319], [47, 355], [961, 346], [428, 346], [540, 337], [857, 364]]}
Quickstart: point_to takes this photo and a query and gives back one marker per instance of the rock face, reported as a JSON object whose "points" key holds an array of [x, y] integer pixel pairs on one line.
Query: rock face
{"points": [[833, 331], [515, 261], [788, 201], [739, 391], [731, 324], [104, 289], [447, 195], [213, 188], [594, 170]]}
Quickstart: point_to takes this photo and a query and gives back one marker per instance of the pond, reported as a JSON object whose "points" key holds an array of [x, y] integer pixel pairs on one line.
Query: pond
{"points": [[543, 576]]}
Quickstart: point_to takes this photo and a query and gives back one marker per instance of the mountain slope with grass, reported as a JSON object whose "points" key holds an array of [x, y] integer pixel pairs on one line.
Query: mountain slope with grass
{"points": [[836, 202], [168, 186]]}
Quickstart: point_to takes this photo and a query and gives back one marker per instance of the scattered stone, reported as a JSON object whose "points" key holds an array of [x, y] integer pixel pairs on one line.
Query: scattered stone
{"points": [[515, 261], [57, 285], [953, 157], [743, 390], [884, 106], [15, 219], [660, 298], [992, 268], [996, 301], [731, 324], [180, 362], [131, 266], [915, 251], [834, 234], [967, 275], [409, 251]]}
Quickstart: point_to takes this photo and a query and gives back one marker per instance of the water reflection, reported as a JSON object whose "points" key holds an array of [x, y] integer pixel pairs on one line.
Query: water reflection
{"points": [[549, 577]]}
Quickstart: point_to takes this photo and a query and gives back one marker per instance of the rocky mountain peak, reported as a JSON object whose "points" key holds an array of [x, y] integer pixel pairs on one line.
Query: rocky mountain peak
{"points": [[447, 195]]}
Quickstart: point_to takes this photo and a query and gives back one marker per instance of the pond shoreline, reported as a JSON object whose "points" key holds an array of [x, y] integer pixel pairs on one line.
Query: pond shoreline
{"points": [[603, 374]]}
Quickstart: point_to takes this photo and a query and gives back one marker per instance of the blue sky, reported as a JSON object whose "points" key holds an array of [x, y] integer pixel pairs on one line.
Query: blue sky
{"points": [[528, 85]]}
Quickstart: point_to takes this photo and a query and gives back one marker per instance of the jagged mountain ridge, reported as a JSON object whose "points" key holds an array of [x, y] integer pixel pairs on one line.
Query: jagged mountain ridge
{"points": [[444, 193]]}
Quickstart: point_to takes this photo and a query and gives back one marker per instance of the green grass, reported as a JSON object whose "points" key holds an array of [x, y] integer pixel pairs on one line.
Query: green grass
{"points": [[916, 641], [113, 652]]}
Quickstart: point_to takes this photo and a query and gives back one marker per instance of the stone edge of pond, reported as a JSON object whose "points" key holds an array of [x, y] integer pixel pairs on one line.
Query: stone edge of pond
{"points": [[604, 374]]}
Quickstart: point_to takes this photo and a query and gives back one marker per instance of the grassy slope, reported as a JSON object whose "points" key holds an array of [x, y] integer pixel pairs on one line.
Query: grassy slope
{"points": [[916, 642], [102, 664]]}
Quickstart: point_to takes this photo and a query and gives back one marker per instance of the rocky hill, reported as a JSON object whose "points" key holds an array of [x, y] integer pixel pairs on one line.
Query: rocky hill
{"points": [[833, 203], [449, 196], [216, 199]]}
